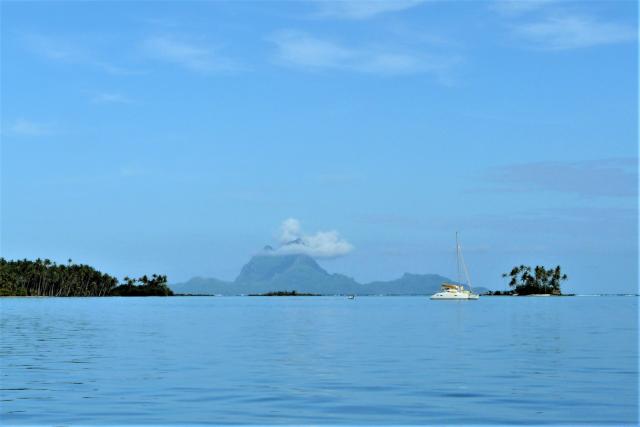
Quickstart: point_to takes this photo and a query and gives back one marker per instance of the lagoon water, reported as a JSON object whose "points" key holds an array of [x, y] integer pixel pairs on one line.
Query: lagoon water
{"points": [[321, 360]]}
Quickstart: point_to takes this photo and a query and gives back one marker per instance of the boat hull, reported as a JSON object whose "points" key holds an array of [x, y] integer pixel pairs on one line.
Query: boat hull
{"points": [[454, 296]]}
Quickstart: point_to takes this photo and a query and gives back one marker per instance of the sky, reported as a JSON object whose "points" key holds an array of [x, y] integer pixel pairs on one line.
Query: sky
{"points": [[180, 138]]}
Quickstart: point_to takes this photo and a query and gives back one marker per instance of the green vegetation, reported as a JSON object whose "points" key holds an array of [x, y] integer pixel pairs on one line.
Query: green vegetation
{"points": [[498, 293], [284, 294], [542, 281], [46, 278], [154, 286]]}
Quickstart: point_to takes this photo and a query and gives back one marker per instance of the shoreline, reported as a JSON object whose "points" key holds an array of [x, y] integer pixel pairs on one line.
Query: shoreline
{"points": [[314, 295]]}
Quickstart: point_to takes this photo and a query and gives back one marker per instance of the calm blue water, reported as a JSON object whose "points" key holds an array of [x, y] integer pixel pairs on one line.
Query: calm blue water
{"points": [[376, 360]]}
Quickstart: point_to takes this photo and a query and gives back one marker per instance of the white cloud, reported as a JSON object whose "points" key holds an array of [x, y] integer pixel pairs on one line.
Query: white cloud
{"points": [[362, 9], [186, 54], [299, 49], [549, 25], [25, 127], [111, 98], [572, 32], [290, 230], [296, 48], [519, 7], [322, 244]]}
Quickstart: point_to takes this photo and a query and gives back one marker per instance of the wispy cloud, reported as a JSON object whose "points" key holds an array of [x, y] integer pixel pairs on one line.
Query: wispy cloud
{"points": [[572, 32], [548, 25], [188, 54], [61, 49], [54, 48], [24, 127], [362, 9], [577, 228], [111, 98], [302, 50], [295, 48], [609, 177], [518, 7], [322, 244]]}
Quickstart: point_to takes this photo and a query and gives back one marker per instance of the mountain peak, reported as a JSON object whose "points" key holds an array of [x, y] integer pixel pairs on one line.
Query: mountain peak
{"points": [[270, 271]]}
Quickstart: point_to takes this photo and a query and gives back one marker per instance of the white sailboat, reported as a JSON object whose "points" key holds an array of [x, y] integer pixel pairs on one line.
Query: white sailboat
{"points": [[457, 291]]}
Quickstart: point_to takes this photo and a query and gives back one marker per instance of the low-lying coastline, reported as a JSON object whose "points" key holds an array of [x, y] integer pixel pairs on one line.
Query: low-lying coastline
{"points": [[43, 278], [285, 294], [515, 294]]}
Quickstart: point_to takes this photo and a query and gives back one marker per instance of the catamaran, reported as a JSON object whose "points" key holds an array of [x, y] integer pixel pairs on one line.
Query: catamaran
{"points": [[453, 290]]}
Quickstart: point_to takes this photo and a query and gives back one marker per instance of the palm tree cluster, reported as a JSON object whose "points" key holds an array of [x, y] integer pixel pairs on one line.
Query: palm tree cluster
{"points": [[527, 281], [46, 278], [156, 285]]}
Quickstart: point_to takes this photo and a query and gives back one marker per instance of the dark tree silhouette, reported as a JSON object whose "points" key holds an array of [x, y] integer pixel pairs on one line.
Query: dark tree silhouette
{"points": [[46, 278], [542, 281]]}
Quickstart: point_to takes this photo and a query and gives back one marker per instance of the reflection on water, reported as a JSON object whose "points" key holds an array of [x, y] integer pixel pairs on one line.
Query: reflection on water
{"points": [[322, 360]]}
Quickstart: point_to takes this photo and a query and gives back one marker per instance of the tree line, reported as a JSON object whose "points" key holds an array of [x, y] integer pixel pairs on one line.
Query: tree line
{"points": [[47, 278]]}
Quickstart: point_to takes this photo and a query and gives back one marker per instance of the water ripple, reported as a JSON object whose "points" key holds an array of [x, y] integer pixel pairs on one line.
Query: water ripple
{"points": [[283, 361]]}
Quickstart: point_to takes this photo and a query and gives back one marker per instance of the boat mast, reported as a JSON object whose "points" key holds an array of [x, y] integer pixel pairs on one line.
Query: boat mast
{"points": [[466, 272], [458, 259]]}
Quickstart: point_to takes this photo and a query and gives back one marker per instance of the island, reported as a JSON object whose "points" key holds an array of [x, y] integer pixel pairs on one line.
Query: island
{"points": [[284, 294], [262, 276], [269, 272], [46, 278], [538, 281]]}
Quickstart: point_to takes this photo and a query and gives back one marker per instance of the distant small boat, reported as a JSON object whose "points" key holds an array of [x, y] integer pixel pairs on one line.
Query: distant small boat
{"points": [[351, 297], [450, 291]]}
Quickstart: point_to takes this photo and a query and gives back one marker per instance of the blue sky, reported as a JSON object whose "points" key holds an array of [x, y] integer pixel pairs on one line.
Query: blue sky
{"points": [[177, 137]]}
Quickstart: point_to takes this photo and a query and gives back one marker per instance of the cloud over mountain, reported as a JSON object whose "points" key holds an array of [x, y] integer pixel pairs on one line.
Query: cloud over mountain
{"points": [[321, 244]]}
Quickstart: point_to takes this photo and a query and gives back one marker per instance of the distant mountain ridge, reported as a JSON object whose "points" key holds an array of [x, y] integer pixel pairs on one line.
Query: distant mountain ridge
{"points": [[268, 273]]}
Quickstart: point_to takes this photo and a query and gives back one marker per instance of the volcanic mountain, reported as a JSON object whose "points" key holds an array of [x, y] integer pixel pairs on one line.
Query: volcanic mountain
{"points": [[269, 272]]}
